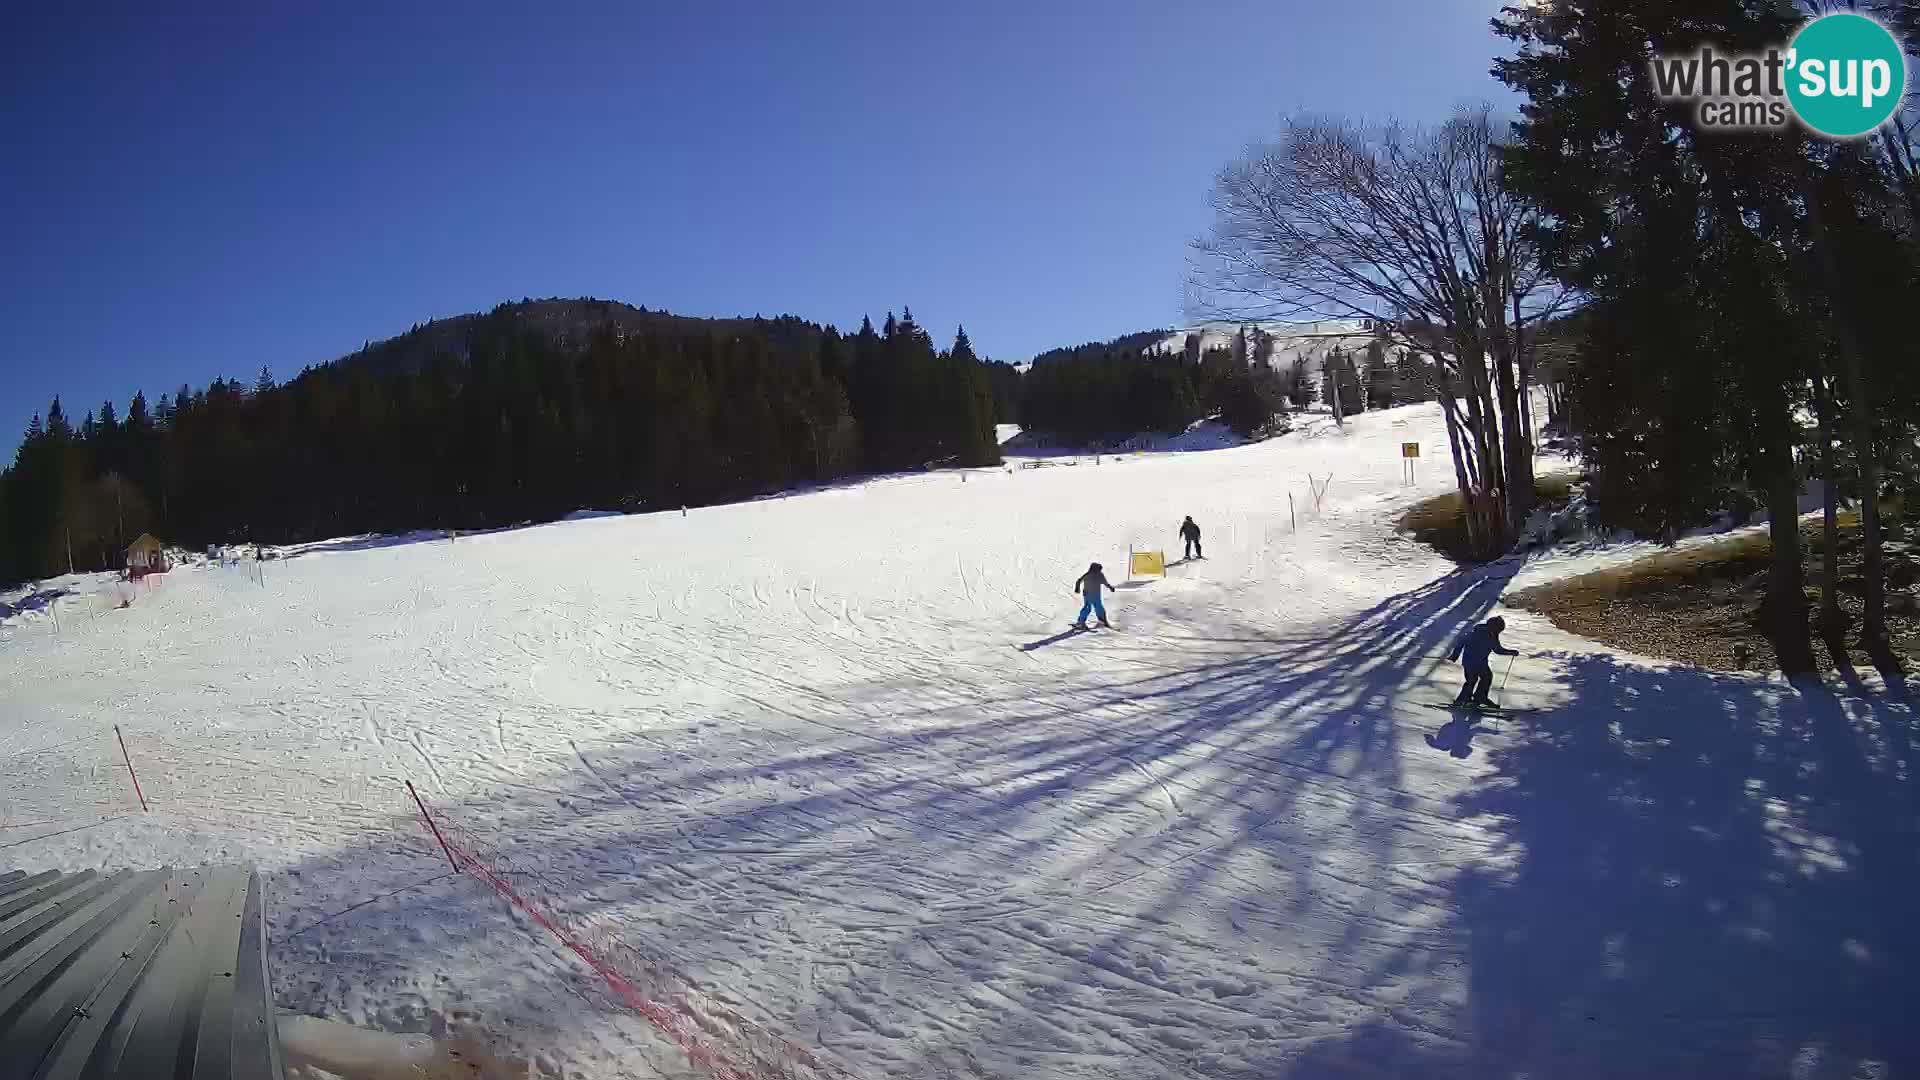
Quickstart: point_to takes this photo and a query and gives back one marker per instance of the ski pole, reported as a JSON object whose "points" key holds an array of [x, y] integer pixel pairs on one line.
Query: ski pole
{"points": [[1503, 678]]}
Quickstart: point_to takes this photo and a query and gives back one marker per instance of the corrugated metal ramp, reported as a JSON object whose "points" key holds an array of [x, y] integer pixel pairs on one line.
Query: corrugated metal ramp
{"points": [[137, 975]]}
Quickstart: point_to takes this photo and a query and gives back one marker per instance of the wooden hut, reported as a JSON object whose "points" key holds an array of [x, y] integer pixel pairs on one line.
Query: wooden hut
{"points": [[144, 556]]}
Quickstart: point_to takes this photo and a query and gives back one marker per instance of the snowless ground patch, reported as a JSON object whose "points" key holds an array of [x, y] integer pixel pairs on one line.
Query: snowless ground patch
{"points": [[830, 758]]}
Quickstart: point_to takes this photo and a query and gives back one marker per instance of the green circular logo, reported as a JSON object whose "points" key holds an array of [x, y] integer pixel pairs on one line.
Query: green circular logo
{"points": [[1845, 74]]}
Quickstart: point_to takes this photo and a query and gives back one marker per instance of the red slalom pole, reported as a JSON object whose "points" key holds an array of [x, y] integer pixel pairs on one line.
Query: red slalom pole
{"points": [[128, 758], [451, 861]]}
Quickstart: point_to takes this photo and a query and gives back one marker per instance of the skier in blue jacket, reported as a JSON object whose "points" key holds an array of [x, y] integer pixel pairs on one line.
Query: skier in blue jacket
{"points": [[1088, 585], [1473, 650]]}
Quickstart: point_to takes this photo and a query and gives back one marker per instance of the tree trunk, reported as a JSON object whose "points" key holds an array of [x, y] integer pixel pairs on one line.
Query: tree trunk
{"points": [[1526, 412], [1516, 457], [1333, 385], [1457, 443], [1873, 629], [1480, 423], [1833, 621], [1783, 612]]}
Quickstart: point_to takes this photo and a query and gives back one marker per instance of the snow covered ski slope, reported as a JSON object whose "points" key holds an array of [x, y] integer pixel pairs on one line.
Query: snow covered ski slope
{"points": [[795, 752]]}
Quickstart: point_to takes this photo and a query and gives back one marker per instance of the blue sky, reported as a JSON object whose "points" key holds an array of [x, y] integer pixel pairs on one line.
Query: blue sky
{"points": [[190, 197]]}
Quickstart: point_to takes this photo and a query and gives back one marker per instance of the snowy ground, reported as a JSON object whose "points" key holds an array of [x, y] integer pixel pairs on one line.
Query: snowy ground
{"points": [[831, 756]]}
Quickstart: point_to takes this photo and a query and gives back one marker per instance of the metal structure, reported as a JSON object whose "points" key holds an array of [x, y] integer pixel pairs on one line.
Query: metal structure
{"points": [[135, 975]]}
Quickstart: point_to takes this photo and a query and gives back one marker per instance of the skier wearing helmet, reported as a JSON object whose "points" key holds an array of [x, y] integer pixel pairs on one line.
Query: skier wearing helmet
{"points": [[1089, 585], [1473, 650]]}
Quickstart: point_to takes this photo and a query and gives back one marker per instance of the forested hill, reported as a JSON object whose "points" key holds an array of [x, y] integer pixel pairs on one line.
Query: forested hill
{"points": [[523, 413], [567, 324], [1124, 345]]}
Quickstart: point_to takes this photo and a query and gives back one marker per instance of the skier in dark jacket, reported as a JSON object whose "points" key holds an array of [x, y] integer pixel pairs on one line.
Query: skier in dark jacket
{"points": [[1191, 534], [1473, 651], [1088, 585]]}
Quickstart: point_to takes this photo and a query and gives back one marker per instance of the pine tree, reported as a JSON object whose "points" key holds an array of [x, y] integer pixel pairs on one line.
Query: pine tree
{"points": [[1379, 377], [1298, 388], [1340, 384], [1687, 387], [1008, 389], [830, 357], [908, 327], [962, 348]]}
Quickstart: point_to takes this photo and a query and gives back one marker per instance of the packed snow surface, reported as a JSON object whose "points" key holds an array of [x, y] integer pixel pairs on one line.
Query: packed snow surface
{"points": [[834, 759]]}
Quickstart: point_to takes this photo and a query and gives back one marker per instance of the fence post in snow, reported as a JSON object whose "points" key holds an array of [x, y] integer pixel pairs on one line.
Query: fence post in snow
{"points": [[451, 861], [1291, 520], [1319, 489], [135, 777]]}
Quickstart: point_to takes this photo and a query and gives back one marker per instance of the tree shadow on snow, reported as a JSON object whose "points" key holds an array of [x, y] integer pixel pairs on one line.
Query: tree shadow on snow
{"points": [[35, 599], [1708, 876]]}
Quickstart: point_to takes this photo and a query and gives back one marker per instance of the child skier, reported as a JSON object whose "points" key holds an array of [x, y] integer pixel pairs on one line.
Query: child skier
{"points": [[1191, 534], [1089, 585], [1473, 650]]}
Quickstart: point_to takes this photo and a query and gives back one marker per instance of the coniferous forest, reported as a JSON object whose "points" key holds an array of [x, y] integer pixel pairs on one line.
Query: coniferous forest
{"points": [[1103, 392], [522, 414]]}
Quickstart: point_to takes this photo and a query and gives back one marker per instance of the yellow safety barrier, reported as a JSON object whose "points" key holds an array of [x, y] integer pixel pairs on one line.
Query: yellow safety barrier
{"points": [[1147, 563]]}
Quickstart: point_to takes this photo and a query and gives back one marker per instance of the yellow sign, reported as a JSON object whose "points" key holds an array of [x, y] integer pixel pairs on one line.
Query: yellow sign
{"points": [[1409, 449], [1147, 563]]}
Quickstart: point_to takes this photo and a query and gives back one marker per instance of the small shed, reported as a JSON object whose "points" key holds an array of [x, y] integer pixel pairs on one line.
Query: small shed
{"points": [[144, 556]]}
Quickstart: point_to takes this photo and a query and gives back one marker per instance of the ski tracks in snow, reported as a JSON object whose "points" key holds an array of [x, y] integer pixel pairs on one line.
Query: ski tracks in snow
{"points": [[817, 777]]}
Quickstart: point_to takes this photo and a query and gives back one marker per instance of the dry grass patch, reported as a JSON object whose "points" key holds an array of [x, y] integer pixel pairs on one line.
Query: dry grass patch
{"points": [[1441, 522], [1699, 605]]}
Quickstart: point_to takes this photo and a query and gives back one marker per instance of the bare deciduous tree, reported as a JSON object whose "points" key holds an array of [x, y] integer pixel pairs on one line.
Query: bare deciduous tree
{"points": [[1412, 226]]}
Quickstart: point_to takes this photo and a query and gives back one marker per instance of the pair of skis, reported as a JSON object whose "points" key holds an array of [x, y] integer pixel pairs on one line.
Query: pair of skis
{"points": [[1477, 710]]}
